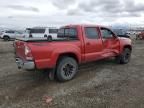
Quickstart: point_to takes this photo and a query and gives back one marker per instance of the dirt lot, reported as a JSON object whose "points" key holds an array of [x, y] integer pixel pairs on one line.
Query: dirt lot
{"points": [[102, 84]]}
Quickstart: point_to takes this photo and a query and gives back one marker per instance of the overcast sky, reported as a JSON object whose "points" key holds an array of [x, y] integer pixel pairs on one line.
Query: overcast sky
{"points": [[28, 13]]}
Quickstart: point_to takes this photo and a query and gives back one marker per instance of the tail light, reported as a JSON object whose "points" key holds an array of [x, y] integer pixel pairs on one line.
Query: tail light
{"points": [[28, 53]]}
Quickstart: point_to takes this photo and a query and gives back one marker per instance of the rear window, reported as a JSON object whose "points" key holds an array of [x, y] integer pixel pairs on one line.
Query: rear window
{"points": [[37, 30], [53, 30], [68, 32]]}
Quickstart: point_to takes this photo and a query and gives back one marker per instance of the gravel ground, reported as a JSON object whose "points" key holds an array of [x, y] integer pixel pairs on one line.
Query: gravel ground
{"points": [[101, 84]]}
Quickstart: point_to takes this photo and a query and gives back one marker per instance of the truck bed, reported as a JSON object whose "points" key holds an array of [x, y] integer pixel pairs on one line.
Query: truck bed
{"points": [[44, 39]]}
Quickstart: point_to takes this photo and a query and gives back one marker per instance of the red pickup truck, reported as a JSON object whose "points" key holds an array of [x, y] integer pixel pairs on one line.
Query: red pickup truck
{"points": [[76, 44]]}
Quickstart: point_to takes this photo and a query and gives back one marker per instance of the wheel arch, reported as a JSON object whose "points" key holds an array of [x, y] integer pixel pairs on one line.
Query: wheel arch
{"points": [[127, 46], [6, 36], [68, 54]]}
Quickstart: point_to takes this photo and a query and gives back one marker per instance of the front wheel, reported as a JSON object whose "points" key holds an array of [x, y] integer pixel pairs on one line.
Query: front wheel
{"points": [[6, 38], [66, 69], [124, 58], [45, 36]]}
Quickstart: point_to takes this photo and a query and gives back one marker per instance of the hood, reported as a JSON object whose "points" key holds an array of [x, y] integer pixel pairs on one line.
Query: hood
{"points": [[125, 40]]}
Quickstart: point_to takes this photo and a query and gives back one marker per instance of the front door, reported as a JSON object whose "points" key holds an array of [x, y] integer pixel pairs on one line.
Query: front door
{"points": [[111, 45]]}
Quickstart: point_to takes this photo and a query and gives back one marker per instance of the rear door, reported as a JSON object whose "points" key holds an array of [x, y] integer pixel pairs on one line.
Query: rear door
{"points": [[93, 43], [111, 44]]}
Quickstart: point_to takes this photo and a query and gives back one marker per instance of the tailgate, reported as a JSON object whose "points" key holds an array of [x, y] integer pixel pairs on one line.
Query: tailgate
{"points": [[20, 49]]}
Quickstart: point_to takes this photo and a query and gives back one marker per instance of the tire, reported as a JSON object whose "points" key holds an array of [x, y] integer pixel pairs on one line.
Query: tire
{"points": [[66, 69], [124, 58], [49, 38], [6, 38], [45, 36], [30, 36]]}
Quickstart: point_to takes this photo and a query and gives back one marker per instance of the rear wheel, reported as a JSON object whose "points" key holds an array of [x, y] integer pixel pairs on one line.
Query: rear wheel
{"points": [[45, 36], [66, 69], [124, 58], [6, 38], [49, 38]]}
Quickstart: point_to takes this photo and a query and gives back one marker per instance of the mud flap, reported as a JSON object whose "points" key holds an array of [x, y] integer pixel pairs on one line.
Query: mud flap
{"points": [[51, 74]]}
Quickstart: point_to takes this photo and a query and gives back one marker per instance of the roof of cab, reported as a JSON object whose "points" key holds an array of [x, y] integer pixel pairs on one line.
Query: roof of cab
{"points": [[85, 25]]}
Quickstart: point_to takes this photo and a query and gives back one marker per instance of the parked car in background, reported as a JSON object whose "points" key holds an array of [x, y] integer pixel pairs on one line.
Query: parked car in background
{"points": [[75, 44], [140, 36], [121, 33], [1, 32], [131, 33], [10, 34], [41, 32]]}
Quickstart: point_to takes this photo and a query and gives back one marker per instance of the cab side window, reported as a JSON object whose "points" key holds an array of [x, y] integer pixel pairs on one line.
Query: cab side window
{"points": [[72, 33], [106, 33], [68, 32], [91, 32]]}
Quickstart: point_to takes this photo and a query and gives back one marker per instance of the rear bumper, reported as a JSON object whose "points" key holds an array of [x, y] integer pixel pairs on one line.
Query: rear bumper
{"points": [[28, 65]]}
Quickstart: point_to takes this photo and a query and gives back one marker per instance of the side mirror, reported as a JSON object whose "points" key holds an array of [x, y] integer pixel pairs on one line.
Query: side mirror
{"points": [[115, 36]]}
